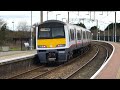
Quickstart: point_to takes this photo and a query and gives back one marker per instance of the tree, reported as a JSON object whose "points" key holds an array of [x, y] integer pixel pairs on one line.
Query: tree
{"points": [[81, 24], [1, 23], [3, 29], [23, 29], [93, 28], [22, 26]]}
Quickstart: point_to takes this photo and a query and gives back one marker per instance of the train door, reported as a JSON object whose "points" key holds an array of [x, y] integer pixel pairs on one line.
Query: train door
{"points": [[79, 39], [82, 37], [75, 39], [72, 38]]}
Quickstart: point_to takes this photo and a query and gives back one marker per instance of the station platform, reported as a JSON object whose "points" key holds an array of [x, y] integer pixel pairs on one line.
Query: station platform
{"points": [[10, 56], [111, 68]]}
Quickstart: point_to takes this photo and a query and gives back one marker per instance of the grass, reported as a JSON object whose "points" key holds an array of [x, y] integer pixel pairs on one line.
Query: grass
{"points": [[0, 49], [15, 49]]}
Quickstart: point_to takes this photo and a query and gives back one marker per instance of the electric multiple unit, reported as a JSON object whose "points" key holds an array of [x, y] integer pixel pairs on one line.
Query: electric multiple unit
{"points": [[56, 41]]}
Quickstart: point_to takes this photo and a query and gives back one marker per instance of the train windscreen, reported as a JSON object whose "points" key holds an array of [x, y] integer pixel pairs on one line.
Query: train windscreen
{"points": [[51, 32]]}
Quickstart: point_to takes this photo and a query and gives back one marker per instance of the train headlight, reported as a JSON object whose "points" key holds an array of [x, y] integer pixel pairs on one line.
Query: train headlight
{"points": [[42, 46], [60, 45]]}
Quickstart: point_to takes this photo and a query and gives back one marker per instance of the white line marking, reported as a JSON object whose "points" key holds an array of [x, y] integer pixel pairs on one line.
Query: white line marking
{"points": [[93, 77]]}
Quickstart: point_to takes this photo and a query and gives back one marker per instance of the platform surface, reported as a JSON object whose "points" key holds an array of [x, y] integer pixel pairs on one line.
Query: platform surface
{"points": [[112, 68]]}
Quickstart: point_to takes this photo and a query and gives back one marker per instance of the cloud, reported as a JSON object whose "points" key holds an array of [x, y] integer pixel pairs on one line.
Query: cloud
{"points": [[14, 16], [17, 16]]}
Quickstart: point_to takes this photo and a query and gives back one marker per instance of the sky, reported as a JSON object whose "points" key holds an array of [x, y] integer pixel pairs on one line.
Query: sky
{"points": [[103, 17]]}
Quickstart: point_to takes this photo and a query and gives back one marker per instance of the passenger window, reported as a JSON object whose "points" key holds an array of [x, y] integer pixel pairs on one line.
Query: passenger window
{"points": [[72, 34], [86, 35], [78, 35], [83, 34]]}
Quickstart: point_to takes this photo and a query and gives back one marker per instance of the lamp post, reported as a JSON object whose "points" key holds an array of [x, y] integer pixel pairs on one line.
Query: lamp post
{"points": [[57, 15], [41, 16], [63, 19], [48, 13], [97, 29], [31, 30], [99, 32], [101, 13], [13, 26], [94, 15], [90, 14], [113, 32], [115, 26], [108, 32], [98, 35], [68, 16], [104, 32]]}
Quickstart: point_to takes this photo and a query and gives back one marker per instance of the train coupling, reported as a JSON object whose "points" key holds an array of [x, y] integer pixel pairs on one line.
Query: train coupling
{"points": [[51, 56]]}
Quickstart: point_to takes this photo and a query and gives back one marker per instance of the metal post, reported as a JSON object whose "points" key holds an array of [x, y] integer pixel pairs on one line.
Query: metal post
{"points": [[108, 32], [94, 15], [115, 26], [68, 16], [47, 15], [31, 30], [41, 16], [104, 35], [57, 15], [97, 29], [113, 32], [99, 32], [90, 15], [13, 26], [83, 20]]}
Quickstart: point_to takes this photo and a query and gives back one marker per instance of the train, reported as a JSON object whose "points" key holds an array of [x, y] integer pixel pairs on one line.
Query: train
{"points": [[56, 41]]}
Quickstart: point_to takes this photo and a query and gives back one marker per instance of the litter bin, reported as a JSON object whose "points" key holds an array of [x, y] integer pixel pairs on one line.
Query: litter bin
{"points": [[27, 46]]}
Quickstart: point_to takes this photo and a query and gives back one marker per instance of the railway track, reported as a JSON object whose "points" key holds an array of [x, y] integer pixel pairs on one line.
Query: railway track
{"points": [[42, 70], [56, 68], [26, 72], [48, 72], [77, 72]]}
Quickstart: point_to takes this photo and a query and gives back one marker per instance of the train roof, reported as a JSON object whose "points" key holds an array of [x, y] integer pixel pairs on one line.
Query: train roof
{"points": [[57, 21], [61, 22]]}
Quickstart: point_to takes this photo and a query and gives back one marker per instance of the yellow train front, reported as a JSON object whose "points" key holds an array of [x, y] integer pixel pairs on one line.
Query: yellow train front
{"points": [[56, 41], [51, 42]]}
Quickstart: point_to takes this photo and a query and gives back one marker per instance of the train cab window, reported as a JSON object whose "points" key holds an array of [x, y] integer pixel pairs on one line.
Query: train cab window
{"points": [[58, 33], [44, 33], [52, 32]]}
